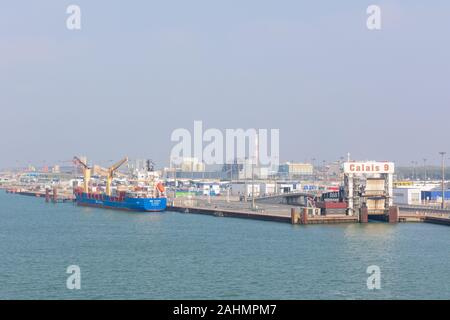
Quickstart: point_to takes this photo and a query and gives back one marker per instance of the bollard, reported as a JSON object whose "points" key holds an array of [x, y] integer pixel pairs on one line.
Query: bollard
{"points": [[295, 216]]}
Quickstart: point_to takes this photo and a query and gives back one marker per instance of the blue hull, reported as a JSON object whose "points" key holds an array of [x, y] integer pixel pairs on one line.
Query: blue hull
{"points": [[131, 204]]}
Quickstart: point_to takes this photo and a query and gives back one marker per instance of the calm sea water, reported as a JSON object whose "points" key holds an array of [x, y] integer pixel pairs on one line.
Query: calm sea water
{"points": [[186, 256]]}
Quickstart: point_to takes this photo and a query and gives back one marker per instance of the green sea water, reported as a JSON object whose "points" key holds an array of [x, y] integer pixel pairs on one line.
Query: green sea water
{"points": [[171, 255]]}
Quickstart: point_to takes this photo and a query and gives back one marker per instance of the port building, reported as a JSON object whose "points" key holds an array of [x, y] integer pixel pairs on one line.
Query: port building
{"points": [[294, 170]]}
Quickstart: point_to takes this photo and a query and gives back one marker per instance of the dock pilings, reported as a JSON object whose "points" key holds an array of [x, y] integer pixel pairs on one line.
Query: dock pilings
{"points": [[363, 214], [299, 217], [393, 214]]}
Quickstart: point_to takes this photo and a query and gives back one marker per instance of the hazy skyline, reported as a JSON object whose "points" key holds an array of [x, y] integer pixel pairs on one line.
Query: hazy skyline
{"points": [[137, 71]]}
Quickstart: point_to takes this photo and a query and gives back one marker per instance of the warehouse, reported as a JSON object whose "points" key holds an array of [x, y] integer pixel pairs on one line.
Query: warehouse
{"points": [[245, 189], [409, 196], [435, 195], [292, 170]]}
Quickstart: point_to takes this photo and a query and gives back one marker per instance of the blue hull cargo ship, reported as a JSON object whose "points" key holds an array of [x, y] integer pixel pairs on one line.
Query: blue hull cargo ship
{"points": [[146, 196], [121, 202]]}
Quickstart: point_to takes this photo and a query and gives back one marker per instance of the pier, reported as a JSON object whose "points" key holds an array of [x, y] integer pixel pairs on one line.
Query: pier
{"points": [[282, 216], [221, 212], [424, 214], [301, 215], [50, 195], [263, 211]]}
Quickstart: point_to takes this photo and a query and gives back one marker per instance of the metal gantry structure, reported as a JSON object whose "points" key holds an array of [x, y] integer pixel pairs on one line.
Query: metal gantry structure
{"points": [[357, 194]]}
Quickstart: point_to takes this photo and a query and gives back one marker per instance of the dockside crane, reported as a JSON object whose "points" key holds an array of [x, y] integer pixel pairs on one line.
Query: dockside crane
{"points": [[86, 173]]}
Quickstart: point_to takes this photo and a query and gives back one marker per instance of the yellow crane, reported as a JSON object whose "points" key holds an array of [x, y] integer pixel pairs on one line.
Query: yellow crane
{"points": [[109, 173], [86, 173]]}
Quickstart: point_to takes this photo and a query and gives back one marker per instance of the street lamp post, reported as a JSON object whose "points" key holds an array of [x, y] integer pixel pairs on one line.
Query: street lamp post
{"points": [[424, 170], [314, 169], [323, 170], [442, 153], [175, 182], [253, 187]]}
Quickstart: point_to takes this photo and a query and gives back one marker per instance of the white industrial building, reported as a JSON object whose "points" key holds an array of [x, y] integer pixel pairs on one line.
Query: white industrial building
{"points": [[409, 196], [290, 169], [188, 164], [268, 189], [250, 170], [286, 187], [245, 189]]}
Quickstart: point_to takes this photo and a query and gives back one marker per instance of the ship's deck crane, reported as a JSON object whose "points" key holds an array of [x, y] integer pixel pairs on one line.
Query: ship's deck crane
{"points": [[86, 173], [109, 173]]}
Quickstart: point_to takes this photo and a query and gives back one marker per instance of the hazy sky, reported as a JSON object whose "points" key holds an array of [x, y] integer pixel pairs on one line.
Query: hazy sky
{"points": [[137, 70]]}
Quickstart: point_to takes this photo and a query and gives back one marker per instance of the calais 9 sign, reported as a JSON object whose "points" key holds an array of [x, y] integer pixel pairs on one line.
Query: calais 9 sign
{"points": [[369, 167]]}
